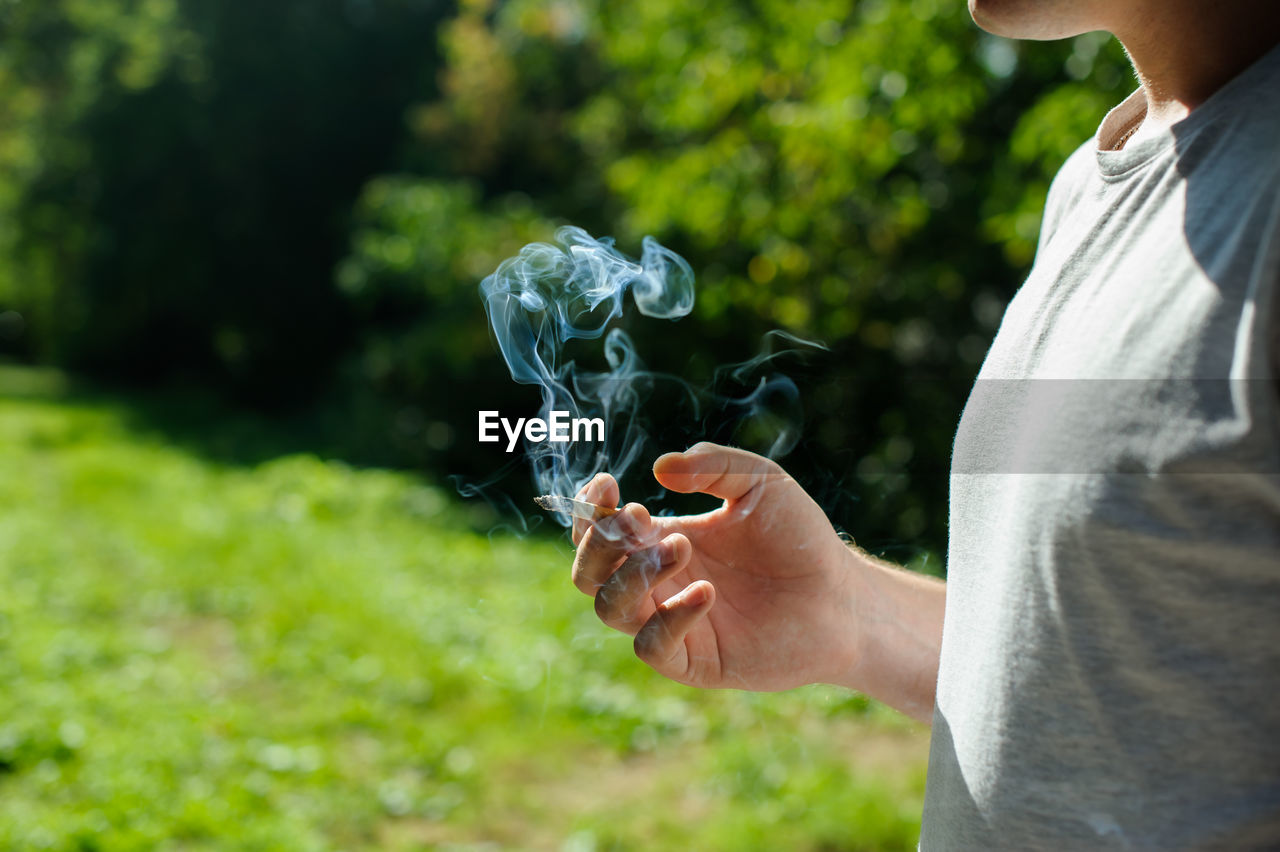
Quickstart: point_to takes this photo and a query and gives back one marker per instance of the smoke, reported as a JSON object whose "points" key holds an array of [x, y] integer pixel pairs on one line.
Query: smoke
{"points": [[548, 295]]}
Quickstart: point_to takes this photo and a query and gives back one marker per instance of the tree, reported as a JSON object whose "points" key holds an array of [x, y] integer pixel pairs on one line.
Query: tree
{"points": [[871, 176]]}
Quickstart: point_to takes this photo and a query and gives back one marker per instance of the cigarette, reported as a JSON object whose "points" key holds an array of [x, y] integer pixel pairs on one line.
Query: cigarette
{"points": [[576, 508]]}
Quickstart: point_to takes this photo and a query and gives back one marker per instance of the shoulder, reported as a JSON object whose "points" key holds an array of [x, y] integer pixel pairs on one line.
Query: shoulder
{"points": [[1229, 169], [1075, 172], [1229, 165], [1238, 148], [1068, 185], [1235, 135]]}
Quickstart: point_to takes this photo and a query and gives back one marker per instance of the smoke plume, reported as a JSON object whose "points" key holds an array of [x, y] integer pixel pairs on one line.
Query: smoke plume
{"points": [[548, 295]]}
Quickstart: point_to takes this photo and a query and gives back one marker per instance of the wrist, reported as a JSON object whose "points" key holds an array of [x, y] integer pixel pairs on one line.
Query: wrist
{"points": [[847, 640], [895, 634]]}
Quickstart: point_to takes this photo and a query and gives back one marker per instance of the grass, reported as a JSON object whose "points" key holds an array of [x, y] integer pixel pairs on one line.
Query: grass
{"points": [[292, 654]]}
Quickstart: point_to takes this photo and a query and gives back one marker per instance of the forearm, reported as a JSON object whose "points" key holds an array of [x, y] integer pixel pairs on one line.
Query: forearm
{"points": [[899, 625]]}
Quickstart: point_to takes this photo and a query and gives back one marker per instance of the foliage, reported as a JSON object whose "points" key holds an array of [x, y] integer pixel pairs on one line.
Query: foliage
{"points": [[180, 193], [844, 173], [175, 176], [299, 655], [418, 249]]}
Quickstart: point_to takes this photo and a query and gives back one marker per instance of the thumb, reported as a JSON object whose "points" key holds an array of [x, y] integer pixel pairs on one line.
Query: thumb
{"points": [[724, 472]]}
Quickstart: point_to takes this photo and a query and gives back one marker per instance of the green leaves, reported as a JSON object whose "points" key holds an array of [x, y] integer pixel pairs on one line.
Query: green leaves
{"points": [[871, 175], [273, 197]]}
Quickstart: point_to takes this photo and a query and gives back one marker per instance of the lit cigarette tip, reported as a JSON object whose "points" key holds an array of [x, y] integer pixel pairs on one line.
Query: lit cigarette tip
{"points": [[576, 508]]}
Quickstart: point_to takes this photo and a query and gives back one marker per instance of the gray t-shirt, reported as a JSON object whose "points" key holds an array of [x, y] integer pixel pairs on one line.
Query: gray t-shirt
{"points": [[1110, 673]]}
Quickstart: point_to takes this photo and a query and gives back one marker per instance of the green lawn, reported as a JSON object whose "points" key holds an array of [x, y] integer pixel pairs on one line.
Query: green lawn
{"points": [[296, 655]]}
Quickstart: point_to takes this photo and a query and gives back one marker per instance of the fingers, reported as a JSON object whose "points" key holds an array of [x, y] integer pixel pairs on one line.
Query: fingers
{"points": [[660, 643], [624, 600], [601, 490], [724, 472], [607, 542]]}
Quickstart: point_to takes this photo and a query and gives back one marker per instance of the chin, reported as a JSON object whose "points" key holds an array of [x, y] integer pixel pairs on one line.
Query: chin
{"points": [[1041, 20]]}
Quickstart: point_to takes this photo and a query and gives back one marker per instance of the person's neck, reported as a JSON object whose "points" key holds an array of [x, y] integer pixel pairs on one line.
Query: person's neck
{"points": [[1185, 50]]}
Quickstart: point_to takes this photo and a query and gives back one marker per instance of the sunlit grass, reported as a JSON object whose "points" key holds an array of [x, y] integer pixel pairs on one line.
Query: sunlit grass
{"points": [[298, 655]]}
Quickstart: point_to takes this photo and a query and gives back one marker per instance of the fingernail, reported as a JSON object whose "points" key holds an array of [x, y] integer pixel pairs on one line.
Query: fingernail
{"points": [[695, 596], [667, 554], [628, 522]]}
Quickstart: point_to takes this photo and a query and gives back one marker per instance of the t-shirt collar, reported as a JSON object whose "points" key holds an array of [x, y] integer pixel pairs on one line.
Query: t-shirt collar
{"points": [[1131, 111]]}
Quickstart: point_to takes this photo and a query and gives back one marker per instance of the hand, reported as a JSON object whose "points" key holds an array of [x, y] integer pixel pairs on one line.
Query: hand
{"points": [[757, 594]]}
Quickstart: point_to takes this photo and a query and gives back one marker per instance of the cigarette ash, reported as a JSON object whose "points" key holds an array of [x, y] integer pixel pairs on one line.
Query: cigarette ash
{"points": [[574, 508]]}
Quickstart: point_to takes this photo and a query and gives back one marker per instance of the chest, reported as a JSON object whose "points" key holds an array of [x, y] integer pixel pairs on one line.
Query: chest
{"points": [[1119, 354]]}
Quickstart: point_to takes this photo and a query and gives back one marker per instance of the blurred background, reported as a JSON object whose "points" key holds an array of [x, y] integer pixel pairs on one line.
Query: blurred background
{"points": [[242, 351]]}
